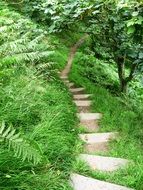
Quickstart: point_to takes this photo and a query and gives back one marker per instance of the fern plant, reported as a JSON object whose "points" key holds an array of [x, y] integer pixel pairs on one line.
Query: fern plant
{"points": [[21, 41], [22, 148]]}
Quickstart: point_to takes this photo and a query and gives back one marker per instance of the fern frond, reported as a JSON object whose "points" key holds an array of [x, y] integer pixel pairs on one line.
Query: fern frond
{"points": [[21, 45], [30, 57], [3, 29], [5, 21], [37, 39], [14, 27], [17, 46], [24, 149]]}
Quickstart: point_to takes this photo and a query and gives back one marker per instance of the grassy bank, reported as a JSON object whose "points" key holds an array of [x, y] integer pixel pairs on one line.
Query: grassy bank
{"points": [[39, 111], [117, 116], [36, 104]]}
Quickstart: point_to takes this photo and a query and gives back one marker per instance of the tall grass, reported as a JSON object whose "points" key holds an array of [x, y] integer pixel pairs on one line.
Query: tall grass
{"points": [[37, 104], [43, 112]]}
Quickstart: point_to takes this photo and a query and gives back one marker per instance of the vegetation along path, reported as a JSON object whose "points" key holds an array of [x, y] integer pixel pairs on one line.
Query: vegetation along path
{"points": [[94, 141], [84, 132]]}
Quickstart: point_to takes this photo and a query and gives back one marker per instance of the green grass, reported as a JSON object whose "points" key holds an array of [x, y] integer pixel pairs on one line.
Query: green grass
{"points": [[39, 106], [42, 111], [117, 116]]}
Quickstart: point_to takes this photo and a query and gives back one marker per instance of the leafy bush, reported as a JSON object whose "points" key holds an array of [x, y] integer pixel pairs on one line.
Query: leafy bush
{"points": [[59, 15]]}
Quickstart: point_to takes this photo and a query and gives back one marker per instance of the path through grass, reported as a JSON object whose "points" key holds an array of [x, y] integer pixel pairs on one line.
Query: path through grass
{"points": [[117, 117]]}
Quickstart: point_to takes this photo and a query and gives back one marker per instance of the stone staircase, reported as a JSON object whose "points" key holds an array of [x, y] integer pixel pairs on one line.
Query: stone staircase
{"points": [[79, 182], [94, 142]]}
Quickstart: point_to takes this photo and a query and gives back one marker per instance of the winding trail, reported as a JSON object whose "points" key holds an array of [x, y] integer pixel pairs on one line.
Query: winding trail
{"points": [[73, 50], [95, 142]]}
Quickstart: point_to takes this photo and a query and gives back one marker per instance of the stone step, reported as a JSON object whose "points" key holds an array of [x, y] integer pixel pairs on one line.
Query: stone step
{"points": [[82, 103], [82, 96], [90, 121], [90, 126], [107, 164], [89, 116], [97, 142], [70, 84], [64, 77], [77, 90], [66, 81], [79, 182]]}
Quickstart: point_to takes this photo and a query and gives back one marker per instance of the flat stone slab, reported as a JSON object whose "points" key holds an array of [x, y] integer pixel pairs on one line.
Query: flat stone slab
{"points": [[89, 116], [106, 164], [70, 84], [98, 137], [82, 103], [76, 90], [97, 142], [82, 96], [79, 182], [90, 126], [90, 121], [64, 77], [66, 81]]}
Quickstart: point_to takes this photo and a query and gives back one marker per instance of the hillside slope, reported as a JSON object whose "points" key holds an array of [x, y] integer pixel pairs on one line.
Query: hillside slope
{"points": [[36, 104], [119, 114]]}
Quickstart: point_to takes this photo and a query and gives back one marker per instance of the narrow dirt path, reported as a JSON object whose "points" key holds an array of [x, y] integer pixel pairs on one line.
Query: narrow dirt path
{"points": [[73, 50], [95, 141]]}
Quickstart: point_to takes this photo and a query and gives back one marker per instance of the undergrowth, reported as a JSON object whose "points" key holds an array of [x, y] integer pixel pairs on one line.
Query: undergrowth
{"points": [[38, 110], [36, 104]]}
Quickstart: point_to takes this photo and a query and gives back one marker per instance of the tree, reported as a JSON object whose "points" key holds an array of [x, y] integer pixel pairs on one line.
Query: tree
{"points": [[117, 28]]}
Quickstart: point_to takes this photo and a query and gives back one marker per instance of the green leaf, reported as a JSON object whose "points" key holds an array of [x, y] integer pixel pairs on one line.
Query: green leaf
{"points": [[96, 12], [135, 13], [140, 55], [131, 30], [130, 23], [26, 149], [140, 20]]}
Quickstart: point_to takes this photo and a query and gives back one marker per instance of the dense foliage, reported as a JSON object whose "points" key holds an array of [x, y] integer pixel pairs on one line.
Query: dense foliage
{"points": [[115, 28]]}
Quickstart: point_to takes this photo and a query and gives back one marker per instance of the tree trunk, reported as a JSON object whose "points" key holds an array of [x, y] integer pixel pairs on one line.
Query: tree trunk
{"points": [[121, 74], [123, 86]]}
